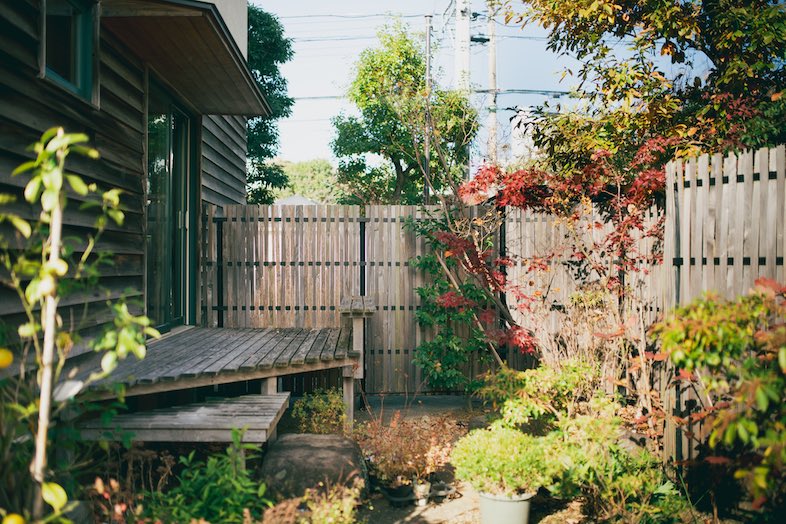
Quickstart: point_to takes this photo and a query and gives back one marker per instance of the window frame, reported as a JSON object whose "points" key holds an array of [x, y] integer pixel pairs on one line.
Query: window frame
{"points": [[85, 53]]}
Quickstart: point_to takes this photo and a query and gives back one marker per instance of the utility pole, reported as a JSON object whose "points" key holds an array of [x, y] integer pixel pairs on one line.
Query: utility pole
{"points": [[462, 45], [427, 134], [492, 108]]}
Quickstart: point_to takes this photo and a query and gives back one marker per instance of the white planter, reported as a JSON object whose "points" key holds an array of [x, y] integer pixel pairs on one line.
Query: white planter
{"points": [[500, 509]]}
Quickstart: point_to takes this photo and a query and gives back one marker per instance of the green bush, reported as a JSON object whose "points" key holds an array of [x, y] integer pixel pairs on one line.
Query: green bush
{"points": [[541, 395], [504, 461], [735, 354], [322, 411], [618, 485], [218, 490]]}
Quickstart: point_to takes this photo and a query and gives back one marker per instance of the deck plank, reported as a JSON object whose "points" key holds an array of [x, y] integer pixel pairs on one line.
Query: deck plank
{"points": [[257, 338], [329, 351], [216, 355], [283, 358], [292, 337], [299, 357], [316, 350]]}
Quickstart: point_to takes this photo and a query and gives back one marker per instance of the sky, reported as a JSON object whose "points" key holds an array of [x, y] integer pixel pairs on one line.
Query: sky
{"points": [[329, 36]]}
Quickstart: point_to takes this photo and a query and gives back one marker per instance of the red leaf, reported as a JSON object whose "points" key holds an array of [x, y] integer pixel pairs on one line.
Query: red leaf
{"points": [[684, 375], [767, 284], [717, 460]]}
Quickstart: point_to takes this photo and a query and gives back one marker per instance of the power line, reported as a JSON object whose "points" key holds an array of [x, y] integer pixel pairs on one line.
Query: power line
{"points": [[367, 15]]}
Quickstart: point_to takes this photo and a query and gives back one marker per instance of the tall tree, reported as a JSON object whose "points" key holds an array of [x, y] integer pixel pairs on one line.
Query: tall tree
{"points": [[395, 112], [268, 48], [314, 179]]}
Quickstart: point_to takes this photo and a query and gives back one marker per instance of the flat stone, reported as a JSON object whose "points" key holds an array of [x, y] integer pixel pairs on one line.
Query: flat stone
{"points": [[297, 462]]}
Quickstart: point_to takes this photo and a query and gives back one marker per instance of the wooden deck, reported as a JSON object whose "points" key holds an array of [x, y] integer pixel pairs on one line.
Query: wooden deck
{"points": [[211, 421], [199, 357]]}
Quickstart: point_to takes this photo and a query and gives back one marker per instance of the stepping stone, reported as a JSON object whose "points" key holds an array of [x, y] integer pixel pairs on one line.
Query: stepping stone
{"points": [[296, 462]]}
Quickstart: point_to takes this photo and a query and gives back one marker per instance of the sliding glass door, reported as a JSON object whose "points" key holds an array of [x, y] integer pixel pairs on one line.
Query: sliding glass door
{"points": [[169, 177]]}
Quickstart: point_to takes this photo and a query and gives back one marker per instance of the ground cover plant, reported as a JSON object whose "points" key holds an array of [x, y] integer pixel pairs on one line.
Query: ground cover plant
{"points": [[219, 489], [322, 411]]}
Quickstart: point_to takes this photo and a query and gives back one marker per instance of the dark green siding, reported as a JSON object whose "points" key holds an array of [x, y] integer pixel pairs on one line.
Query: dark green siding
{"points": [[223, 159], [29, 106]]}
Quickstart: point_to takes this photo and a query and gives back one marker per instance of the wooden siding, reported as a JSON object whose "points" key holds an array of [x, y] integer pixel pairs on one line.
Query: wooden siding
{"points": [[223, 159], [29, 106]]}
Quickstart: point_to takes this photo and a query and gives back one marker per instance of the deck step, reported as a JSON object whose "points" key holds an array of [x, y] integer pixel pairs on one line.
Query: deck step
{"points": [[211, 421]]}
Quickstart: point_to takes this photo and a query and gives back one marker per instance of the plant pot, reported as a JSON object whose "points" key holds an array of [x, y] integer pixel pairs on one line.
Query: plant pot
{"points": [[399, 496], [441, 490], [500, 509], [421, 492]]}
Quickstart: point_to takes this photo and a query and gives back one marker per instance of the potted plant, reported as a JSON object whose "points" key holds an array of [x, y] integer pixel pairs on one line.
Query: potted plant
{"points": [[403, 454], [506, 467]]}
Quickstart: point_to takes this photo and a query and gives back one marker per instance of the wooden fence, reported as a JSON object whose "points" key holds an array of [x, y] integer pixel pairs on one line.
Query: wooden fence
{"points": [[725, 222], [539, 238], [289, 266]]}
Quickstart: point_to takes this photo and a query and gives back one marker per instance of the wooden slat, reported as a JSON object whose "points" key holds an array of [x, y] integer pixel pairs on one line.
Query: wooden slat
{"points": [[212, 421]]}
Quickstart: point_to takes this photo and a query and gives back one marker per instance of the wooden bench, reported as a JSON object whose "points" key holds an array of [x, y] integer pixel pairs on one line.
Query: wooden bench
{"points": [[211, 421]]}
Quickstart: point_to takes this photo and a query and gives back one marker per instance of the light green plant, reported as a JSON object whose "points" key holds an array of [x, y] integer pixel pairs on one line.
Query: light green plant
{"points": [[40, 265], [322, 411], [504, 461], [619, 485], [735, 351], [542, 394]]}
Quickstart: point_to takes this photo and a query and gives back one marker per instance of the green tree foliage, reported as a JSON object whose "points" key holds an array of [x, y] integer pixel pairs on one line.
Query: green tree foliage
{"points": [[728, 56], [389, 92], [314, 179], [268, 48]]}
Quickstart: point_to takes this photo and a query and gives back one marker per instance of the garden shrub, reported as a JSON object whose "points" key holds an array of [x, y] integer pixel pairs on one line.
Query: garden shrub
{"points": [[218, 490], [322, 411], [504, 461], [404, 450], [618, 485], [735, 354], [543, 394]]}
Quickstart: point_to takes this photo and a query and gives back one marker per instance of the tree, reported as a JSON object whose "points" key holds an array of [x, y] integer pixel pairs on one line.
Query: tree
{"points": [[314, 179], [268, 48], [395, 112]]}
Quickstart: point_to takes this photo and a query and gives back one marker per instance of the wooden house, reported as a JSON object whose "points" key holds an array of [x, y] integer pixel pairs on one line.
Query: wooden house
{"points": [[163, 90]]}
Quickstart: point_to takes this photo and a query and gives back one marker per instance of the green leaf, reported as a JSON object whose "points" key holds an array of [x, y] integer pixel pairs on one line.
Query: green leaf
{"points": [[782, 359], [762, 402], [32, 189], [26, 330], [27, 166], [21, 225], [49, 199], [109, 361], [77, 184], [54, 495], [116, 215]]}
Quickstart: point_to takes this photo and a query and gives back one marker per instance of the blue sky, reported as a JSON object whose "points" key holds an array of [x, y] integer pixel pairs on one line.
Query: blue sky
{"points": [[326, 47]]}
